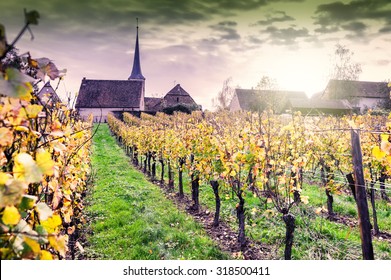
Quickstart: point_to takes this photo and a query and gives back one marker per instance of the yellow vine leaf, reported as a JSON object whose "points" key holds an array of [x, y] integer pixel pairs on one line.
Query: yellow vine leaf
{"points": [[67, 214], [45, 255], [59, 243], [26, 169], [79, 135], [4, 177], [384, 137], [11, 215], [33, 244], [33, 110], [378, 153], [45, 162], [22, 128], [52, 223]]}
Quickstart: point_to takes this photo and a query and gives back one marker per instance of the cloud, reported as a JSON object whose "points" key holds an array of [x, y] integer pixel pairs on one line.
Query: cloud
{"points": [[333, 17], [385, 29], [285, 36], [101, 13], [357, 28], [226, 30], [327, 29], [255, 40], [278, 16], [235, 5], [383, 62]]}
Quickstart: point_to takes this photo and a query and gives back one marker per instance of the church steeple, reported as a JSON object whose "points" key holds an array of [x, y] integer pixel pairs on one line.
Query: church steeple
{"points": [[136, 71]]}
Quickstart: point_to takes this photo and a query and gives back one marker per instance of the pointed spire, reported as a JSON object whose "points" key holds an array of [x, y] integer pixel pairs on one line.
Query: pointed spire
{"points": [[136, 71]]}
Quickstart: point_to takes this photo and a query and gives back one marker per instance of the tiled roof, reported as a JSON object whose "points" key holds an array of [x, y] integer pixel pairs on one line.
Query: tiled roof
{"points": [[109, 94], [341, 89], [178, 90], [153, 104], [341, 104], [176, 96]]}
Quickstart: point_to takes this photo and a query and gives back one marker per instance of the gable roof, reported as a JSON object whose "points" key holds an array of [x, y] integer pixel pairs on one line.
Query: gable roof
{"points": [[178, 95], [178, 90], [110, 94], [249, 99], [48, 95], [341, 89]]}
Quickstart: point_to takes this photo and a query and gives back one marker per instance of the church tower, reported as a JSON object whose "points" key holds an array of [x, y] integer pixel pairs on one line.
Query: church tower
{"points": [[136, 71], [136, 74]]}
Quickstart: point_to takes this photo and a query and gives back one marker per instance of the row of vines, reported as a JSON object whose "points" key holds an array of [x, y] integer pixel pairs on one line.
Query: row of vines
{"points": [[44, 159], [266, 154]]}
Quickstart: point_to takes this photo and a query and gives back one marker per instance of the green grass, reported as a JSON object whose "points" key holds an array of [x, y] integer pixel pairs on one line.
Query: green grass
{"points": [[345, 205], [131, 218]]}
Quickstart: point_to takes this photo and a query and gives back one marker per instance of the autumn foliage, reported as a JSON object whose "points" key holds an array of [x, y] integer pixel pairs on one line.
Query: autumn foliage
{"points": [[44, 159]]}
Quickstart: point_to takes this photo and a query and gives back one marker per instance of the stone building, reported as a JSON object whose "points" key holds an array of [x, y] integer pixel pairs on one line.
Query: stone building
{"points": [[100, 97]]}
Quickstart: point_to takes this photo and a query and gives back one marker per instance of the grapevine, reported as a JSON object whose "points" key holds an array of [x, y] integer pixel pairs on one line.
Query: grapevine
{"points": [[44, 155]]}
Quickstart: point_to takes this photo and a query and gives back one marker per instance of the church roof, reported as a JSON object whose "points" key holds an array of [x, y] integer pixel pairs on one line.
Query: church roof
{"points": [[109, 94]]}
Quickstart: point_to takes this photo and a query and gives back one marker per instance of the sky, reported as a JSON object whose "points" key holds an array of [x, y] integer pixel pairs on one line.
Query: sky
{"points": [[201, 43]]}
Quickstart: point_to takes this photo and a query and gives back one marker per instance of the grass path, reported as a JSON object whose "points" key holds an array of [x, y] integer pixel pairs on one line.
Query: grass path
{"points": [[130, 217]]}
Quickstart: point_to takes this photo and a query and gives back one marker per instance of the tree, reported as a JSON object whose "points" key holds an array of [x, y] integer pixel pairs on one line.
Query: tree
{"points": [[267, 99], [344, 71], [343, 66], [267, 83], [225, 95]]}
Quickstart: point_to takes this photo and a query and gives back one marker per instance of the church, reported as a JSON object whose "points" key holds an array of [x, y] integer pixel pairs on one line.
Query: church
{"points": [[100, 97]]}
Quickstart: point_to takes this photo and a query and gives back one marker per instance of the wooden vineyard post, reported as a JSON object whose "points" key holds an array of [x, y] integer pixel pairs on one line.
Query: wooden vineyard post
{"points": [[361, 197]]}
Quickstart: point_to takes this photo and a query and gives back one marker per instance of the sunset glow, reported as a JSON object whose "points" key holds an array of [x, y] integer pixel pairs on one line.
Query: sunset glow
{"points": [[201, 43]]}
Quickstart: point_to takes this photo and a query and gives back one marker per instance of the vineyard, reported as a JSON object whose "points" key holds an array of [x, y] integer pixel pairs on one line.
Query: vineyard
{"points": [[270, 175], [222, 185]]}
